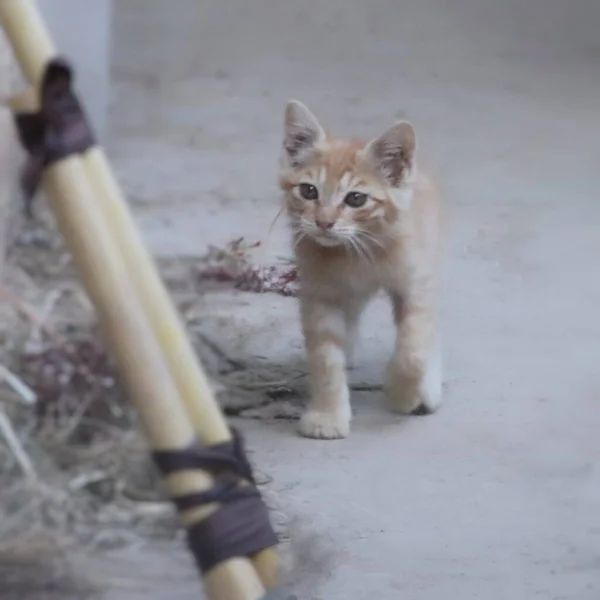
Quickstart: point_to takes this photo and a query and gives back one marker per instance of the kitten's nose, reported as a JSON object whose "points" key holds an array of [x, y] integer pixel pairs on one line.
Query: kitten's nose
{"points": [[324, 224]]}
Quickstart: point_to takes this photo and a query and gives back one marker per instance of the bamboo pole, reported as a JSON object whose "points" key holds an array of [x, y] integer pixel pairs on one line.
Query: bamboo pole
{"points": [[165, 422], [191, 381], [33, 48], [150, 384], [28, 36], [206, 416]]}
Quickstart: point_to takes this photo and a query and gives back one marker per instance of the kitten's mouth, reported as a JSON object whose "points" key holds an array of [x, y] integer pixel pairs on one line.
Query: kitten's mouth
{"points": [[327, 239]]}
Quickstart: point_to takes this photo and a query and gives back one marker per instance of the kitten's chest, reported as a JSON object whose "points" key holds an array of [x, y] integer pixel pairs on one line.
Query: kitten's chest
{"points": [[345, 278]]}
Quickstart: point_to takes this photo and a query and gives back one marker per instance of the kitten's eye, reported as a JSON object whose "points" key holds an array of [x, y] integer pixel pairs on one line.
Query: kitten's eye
{"points": [[308, 191], [355, 199]]}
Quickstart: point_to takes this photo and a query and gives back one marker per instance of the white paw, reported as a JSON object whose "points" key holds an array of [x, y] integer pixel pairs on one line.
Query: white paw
{"points": [[324, 425], [413, 394], [414, 386], [408, 398]]}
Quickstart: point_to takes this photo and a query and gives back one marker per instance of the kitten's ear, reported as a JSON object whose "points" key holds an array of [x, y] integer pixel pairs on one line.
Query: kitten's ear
{"points": [[303, 133], [393, 153]]}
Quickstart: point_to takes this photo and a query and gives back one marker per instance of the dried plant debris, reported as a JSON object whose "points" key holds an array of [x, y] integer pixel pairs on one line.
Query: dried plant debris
{"points": [[74, 380], [75, 468], [233, 264], [74, 464]]}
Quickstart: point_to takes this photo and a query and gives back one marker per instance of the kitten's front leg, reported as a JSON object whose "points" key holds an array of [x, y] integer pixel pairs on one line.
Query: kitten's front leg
{"points": [[353, 309], [328, 413], [414, 377]]}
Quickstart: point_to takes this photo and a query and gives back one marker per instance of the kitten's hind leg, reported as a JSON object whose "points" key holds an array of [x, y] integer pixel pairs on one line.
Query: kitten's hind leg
{"points": [[414, 376], [328, 413]]}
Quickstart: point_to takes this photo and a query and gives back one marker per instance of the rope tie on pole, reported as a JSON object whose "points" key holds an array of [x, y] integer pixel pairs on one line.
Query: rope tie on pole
{"points": [[240, 526], [58, 129]]}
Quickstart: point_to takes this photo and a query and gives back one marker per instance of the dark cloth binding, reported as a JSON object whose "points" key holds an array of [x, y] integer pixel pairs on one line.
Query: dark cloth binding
{"points": [[57, 130], [240, 527]]}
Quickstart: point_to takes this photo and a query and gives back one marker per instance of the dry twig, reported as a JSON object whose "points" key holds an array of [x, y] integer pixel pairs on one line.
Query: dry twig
{"points": [[233, 264], [24, 311], [15, 446], [24, 392]]}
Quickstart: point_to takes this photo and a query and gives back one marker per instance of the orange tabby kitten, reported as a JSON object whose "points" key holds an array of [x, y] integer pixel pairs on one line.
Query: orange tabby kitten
{"points": [[363, 218]]}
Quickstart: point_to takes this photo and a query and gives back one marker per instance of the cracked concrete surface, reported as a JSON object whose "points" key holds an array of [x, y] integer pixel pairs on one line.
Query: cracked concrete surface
{"points": [[495, 497]]}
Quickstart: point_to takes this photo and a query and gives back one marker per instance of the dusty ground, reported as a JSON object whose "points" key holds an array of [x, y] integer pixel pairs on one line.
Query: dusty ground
{"points": [[496, 496]]}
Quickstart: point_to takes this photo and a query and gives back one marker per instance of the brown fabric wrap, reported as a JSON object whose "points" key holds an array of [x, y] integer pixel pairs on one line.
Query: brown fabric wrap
{"points": [[57, 130], [241, 526]]}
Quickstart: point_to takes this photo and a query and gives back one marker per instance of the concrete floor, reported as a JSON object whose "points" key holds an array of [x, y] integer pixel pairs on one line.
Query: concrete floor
{"points": [[496, 497]]}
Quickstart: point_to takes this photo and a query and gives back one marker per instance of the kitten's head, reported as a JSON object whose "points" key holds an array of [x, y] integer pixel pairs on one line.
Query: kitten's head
{"points": [[341, 192]]}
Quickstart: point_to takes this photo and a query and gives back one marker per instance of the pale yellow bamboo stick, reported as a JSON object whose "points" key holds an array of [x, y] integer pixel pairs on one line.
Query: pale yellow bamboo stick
{"points": [[198, 397], [29, 37], [266, 562], [191, 381], [207, 418], [163, 417], [34, 48]]}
